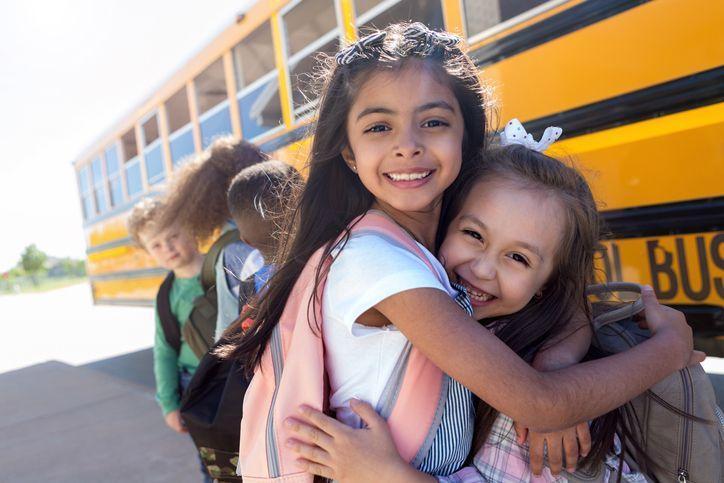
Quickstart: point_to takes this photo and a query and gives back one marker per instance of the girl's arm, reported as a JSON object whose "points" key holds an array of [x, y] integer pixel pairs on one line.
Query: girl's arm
{"points": [[541, 401]]}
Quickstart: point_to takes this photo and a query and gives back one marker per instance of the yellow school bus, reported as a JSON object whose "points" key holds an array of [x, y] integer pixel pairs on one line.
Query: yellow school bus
{"points": [[638, 87]]}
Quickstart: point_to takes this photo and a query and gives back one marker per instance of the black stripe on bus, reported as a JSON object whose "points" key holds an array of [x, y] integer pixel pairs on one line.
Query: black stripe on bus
{"points": [[119, 242], [696, 90], [696, 216], [564, 23], [127, 274]]}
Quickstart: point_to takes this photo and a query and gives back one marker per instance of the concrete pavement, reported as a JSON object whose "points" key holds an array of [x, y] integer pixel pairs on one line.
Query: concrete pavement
{"points": [[77, 394]]}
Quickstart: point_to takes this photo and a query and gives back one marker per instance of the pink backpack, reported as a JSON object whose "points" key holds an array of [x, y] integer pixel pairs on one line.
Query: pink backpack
{"points": [[292, 373]]}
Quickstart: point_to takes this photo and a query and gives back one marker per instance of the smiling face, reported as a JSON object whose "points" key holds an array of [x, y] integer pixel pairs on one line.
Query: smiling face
{"points": [[405, 133], [503, 244], [172, 248]]}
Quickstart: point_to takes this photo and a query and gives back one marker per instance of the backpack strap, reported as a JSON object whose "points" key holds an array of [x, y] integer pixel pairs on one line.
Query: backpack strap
{"points": [[208, 269], [625, 311], [169, 323]]}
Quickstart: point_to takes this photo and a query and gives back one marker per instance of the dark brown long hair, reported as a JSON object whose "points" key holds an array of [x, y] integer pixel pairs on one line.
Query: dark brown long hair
{"points": [[562, 301], [334, 195], [197, 192]]}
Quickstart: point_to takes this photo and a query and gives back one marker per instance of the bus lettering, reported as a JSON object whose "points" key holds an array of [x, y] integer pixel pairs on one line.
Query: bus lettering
{"points": [[702, 293], [717, 244], [663, 268]]}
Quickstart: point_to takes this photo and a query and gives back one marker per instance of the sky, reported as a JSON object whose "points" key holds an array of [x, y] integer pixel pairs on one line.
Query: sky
{"points": [[69, 69]]}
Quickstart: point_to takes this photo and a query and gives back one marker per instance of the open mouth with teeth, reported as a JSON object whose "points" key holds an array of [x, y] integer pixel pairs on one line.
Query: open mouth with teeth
{"points": [[477, 296], [414, 176]]}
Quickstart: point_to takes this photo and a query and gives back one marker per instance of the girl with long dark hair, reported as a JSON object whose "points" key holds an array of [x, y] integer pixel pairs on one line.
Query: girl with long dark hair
{"points": [[401, 118]]}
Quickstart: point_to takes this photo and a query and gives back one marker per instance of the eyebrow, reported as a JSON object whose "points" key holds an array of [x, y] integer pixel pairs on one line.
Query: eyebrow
{"points": [[523, 244], [425, 107]]}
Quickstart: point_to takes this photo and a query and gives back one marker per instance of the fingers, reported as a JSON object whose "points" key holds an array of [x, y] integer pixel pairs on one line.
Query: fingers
{"points": [[584, 438], [555, 454], [697, 357], [521, 433], [537, 444], [316, 469], [310, 453], [317, 418], [570, 448], [367, 413], [649, 297], [309, 434]]}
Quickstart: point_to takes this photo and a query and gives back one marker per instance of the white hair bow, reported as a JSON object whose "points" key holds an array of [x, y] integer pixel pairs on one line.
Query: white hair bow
{"points": [[514, 133]]}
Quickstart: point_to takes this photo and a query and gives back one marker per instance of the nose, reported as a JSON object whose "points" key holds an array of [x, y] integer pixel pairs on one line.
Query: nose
{"points": [[408, 144], [484, 267]]}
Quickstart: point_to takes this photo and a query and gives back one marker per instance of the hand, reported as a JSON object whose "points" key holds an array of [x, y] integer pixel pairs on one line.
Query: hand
{"points": [[660, 319], [331, 449], [575, 441], [173, 421]]}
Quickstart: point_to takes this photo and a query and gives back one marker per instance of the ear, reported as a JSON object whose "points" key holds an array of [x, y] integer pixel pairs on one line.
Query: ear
{"points": [[348, 157]]}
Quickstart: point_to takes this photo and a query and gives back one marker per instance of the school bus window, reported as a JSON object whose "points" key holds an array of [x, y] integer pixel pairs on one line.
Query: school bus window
{"points": [[134, 183], [363, 6], [181, 139], [481, 15], [99, 191], [211, 95], [253, 56], [257, 83], [130, 149], [113, 171], [307, 33], [84, 185], [428, 12], [152, 150]]}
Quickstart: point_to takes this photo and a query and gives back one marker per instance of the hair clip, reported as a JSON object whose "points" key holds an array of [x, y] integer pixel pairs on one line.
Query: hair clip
{"points": [[514, 133], [427, 39], [365, 48]]}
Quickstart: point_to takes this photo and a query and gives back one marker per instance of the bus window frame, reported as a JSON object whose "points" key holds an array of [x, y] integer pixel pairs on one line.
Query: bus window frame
{"points": [[210, 113], [184, 129], [118, 175], [373, 12], [263, 80], [308, 109], [152, 145], [87, 194], [506, 24]]}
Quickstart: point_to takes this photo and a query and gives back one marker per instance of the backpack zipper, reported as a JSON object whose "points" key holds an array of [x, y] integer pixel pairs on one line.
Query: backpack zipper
{"points": [[683, 471], [682, 475], [272, 451]]}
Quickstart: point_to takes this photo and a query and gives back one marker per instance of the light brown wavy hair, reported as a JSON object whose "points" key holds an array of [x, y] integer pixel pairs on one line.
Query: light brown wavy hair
{"points": [[197, 192]]}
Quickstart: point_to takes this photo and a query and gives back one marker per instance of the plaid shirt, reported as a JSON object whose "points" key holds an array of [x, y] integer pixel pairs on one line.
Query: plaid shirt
{"points": [[503, 460]]}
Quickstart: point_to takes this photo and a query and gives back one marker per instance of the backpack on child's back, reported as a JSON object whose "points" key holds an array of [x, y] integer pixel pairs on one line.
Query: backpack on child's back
{"points": [[198, 330], [677, 422]]}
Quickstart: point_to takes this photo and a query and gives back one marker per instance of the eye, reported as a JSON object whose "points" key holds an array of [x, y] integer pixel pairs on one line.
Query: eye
{"points": [[473, 234], [435, 123], [520, 259], [377, 128]]}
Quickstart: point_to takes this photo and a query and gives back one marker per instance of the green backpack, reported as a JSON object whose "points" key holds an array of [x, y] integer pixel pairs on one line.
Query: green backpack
{"points": [[198, 331]]}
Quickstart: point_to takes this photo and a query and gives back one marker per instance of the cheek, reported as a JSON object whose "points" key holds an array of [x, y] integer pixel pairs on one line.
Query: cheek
{"points": [[520, 289]]}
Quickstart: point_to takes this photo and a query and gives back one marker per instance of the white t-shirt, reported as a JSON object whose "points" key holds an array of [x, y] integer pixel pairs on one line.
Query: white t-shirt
{"points": [[360, 359]]}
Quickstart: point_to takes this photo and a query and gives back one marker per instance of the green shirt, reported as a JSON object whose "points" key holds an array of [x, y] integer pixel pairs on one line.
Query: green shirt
{"points": [[167, 364]]}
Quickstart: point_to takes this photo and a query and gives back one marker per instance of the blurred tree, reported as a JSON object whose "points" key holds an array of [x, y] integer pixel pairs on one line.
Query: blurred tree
{"points": [[33, 261]]}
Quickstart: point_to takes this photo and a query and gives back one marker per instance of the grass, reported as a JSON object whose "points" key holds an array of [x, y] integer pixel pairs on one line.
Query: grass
{"points": [[44, 285]]}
